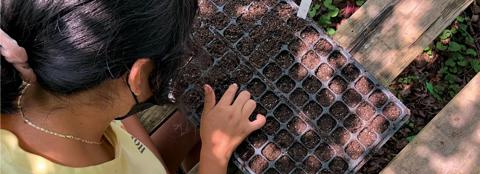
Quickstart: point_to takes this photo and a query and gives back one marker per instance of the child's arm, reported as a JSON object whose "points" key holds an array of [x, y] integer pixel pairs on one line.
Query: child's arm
{"points": [[224, 126]]}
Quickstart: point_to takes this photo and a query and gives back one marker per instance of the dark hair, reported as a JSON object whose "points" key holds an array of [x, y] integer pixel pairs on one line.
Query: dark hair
{"points": [[75, 45]]}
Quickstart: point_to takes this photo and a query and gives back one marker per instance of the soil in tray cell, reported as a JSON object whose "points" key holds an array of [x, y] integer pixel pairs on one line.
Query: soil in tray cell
{"points": [[258, 59], [391, 111], [258, 164], [297, 152], [297, 126], [298, 72], [257, 138], [283, 10], [324, 72], [229, 61], [338, 85], [350, 72], [217, 48], [312, 110], [269, 100], [233, 33], [324, 152], [341, 135], [326, 124], [353, 123], [256, 87], [234, 9], [337, 59], [338, 165], [354, 149], [242, 74], [284, 59], [203, 35], [285, 84], [364, 85], [283, 113], [271, 171], [284, 164], [367, 137], [219, 20], [325, 97], [283, 138], [339, 110], [298, 47], [310, 139], [246, 46], [311, 60], [245, 151], [312, 84], [309, 35], [312, 164], [352, 98], [271, 126], [365, 111], [299, 97], [272, 71], [271, 151], [323, 47], [379, 124]]}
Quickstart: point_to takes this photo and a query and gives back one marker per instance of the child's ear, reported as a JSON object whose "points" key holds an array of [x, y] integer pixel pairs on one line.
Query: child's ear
{"points": [[138, 78]]}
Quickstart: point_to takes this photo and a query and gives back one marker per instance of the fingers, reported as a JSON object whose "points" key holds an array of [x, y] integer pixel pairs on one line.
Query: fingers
{"points": [[258, 123], [229, 95], [209, 98], [248, 108], [242, 98]]}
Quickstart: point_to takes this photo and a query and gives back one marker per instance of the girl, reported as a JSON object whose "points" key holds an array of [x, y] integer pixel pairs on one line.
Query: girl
{"points": [[84, 63]]}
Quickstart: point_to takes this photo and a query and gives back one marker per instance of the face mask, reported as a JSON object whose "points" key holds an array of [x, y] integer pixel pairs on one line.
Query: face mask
{"points": [[138, 107]]}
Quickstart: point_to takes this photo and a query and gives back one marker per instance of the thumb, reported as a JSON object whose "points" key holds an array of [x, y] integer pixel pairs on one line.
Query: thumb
{"points": [[209, 98], [258, 123]]}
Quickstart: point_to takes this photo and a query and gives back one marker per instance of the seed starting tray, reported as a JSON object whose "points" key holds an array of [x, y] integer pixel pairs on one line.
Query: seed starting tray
{"points": [[325, 113]]}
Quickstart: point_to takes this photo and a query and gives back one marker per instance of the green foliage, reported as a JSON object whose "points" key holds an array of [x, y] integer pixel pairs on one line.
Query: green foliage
{"points": [[433, 90], [411, 138], [408, 79], [313, 10], [475, 65], [326, 15], [359, 2]]}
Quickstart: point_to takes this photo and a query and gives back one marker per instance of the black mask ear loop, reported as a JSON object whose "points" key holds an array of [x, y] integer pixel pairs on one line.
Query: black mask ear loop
{"points": [[138, 107]]}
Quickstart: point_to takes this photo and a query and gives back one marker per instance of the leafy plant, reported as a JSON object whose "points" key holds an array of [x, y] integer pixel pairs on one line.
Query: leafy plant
{"points": [[434, 91], [408, 79], [359, 2], [313, 10]]}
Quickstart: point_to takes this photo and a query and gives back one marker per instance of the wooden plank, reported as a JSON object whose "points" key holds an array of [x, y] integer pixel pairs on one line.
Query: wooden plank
{"points": [[386, 35], [156, 116], [450, 143]]}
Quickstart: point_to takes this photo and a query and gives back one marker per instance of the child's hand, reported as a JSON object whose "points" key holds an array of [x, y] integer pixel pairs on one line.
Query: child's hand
{"points": [[225, 125]]}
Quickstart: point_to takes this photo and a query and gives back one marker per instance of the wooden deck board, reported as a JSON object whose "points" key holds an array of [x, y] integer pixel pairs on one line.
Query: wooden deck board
{"points": [[450, 143], [386, 35]]}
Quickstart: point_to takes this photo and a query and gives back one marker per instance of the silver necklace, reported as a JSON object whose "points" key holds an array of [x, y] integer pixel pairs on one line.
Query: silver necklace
{"points": [[30, 123]]}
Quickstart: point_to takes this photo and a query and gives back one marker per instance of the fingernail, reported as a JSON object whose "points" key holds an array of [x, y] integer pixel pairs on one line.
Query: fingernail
{"points": [[234, 85]]}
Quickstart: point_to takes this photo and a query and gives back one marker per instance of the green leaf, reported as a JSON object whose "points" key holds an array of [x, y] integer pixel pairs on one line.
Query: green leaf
{"points": [[360, 2], [324, 20], [328, 4], [475, 65], [462, 63], [410, 138], [460, 19], [313, 10], [450, 62], [446, 34], [440, 46], [331, 31], [454, 46], [471, 52], [333, 12], [429, 87], [469, 40]]}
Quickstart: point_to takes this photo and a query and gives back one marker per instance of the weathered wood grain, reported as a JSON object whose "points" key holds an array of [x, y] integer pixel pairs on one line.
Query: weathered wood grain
{"points": [[450, 143], [386, 35], [156, 116]]}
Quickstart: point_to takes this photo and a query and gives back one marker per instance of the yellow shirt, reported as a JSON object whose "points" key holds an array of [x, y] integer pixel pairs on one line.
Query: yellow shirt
{"points": [[131, 157]]}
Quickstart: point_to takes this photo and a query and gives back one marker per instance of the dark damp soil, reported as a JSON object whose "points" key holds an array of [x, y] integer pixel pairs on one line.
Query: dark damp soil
{"points": [[324, 152], [337, 59], [312, 110], [217, 48], [391, 111], [258, 164], [229, 61], [245, 151], [323, 47], [257, 138], [271, 151], [246, 46], [311, 60], [299, 97], [312, 84], [284, 164], [283, 113], [283, 139], [309, 35], [379, 124], [367, 137], [298, 72], [284, 59], [269, 100], [233, 33], [310, 139], [297, 152], [364, 85], [378, 98], [354, 149], [352, 98], [324, 72], [258, 59], [242, 74], [203, 36], [353, 123], [312, 164], [256, 87], [285, 84], [325, 97], [339, 110], [338, 85], [272, 71], [297, 126], [338, 165], [271, 126], [326, 124], [350, 72], [341, 135], [298, 47], [365, 111]]}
